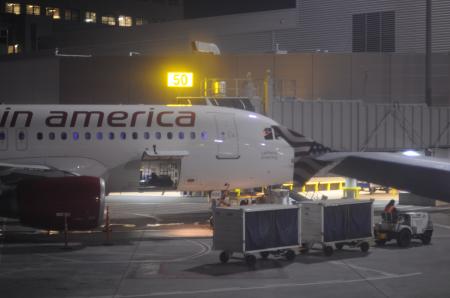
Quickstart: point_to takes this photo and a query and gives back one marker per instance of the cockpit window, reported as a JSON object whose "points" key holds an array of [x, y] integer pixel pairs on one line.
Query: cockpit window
{"points": [[268, 133]]}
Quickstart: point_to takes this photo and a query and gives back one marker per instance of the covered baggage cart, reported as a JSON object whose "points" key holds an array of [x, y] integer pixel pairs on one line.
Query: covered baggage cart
{"points": [[264, 229], [337, 223]]}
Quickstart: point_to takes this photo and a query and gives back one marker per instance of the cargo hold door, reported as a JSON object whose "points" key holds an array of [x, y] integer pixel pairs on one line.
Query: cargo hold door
{"points": [[227, 137], [160, 170]]}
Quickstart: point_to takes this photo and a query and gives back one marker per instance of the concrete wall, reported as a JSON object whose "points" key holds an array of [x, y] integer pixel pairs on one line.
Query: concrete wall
{"points": [[27, 81], [372, 78], [239, 33]]}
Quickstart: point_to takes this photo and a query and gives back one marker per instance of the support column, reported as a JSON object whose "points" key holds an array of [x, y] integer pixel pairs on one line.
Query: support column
{"points": [[268, 92], [428, 49], [351, 189]]}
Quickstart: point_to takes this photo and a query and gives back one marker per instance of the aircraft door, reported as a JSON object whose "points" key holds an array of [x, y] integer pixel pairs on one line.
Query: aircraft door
{"points": [[3, 140], [227, 137], [21, 139]]}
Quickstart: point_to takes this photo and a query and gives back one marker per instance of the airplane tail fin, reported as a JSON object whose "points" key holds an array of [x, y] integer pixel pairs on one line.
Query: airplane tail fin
{"points": [[306, 150]]}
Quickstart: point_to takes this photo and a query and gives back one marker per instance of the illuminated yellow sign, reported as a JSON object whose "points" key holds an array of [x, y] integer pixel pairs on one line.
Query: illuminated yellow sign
{"points": [[180, 79]]}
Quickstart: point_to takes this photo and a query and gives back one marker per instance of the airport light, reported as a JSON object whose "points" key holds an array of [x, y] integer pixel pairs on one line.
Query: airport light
{"points": [[178, 105], [411, 153], [180, 79]]}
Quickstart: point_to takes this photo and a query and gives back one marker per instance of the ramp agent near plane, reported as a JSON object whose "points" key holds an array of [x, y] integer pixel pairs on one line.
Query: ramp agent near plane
{"points": [[55, 159]]}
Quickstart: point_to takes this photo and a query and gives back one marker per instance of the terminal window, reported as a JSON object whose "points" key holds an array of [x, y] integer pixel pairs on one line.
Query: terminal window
{"points": [[72, 15], [52, 12], [13, 8], [125, 21], [109, 20], [34, 10], [69, 15], [140, 21], [374, 32], [13, 49], [90, 17]]}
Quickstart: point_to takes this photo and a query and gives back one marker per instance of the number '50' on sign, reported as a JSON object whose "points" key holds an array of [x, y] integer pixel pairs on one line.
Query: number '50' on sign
{"points": [[180, 79]]}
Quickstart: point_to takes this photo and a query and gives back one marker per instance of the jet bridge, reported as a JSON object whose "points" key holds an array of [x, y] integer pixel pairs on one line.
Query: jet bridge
{"points": [[160, 170]]}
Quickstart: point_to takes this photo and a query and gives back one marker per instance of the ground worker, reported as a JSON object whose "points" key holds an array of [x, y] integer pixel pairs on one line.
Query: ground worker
{"points": [[391, 211]]}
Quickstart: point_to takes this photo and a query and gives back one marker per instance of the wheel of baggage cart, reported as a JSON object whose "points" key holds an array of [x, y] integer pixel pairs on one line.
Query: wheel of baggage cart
{"points": [[264, 255], [289, 255], [426, 237], [339, 246], [404, 238], [250, 260], [328, 250], [364, 246], [224, 257], [304, 249]]}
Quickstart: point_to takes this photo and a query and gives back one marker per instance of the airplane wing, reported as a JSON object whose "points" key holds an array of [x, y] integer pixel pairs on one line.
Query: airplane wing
{"points": [[425, 176]]}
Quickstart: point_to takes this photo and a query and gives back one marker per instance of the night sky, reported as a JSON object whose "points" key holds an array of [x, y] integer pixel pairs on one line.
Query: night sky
{"points": [[207, 8]]}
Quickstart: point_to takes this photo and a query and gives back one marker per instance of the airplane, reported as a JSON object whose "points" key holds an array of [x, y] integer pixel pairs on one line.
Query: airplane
{"points": [[61, 159]]}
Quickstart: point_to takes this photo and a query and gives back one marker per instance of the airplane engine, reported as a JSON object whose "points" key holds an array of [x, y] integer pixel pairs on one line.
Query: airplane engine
{"points": [[43, 202]]}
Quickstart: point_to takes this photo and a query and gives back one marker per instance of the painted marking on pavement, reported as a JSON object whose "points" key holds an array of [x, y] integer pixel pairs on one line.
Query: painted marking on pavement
{"points": [[383, 273], [204, 250], [441, 226], [273, 286]]}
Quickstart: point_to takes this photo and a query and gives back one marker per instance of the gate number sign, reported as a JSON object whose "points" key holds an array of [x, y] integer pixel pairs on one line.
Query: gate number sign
{"points": [[180, 79]]}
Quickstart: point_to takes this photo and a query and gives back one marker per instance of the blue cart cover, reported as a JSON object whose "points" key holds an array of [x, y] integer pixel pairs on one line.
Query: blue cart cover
{"points": [[347, 222], [271, 229]]}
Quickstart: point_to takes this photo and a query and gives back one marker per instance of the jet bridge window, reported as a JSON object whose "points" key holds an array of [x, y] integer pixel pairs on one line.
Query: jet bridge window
{"points": [[268, 133]]}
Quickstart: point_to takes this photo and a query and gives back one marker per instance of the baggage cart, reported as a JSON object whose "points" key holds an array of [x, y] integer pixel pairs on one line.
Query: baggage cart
{"points": [[265, 229], [335, 223]]}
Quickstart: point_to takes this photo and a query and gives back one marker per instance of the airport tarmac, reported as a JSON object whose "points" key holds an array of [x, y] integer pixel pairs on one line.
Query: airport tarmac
{"points": [[161, 247]]}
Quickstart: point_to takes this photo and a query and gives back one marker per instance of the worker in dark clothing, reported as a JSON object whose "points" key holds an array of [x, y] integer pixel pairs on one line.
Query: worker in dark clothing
{"points": [[390, 211]]}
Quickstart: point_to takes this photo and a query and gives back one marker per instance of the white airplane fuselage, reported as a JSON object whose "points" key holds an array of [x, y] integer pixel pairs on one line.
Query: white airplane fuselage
{"points": [[219, 148]]}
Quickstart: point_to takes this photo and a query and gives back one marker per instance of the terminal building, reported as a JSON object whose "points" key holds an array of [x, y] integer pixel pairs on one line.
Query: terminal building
{"points": [[25, 25], [295, 26], [171, 25]]}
